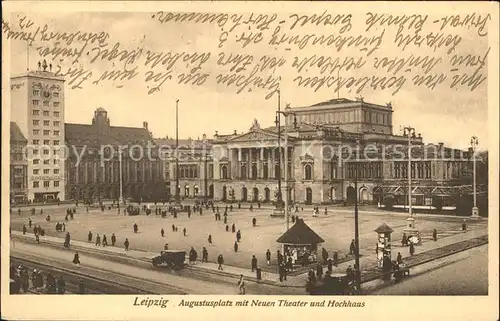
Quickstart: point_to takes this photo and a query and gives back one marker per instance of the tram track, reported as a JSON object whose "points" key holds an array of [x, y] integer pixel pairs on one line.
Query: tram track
{"points": [[96, 281]]}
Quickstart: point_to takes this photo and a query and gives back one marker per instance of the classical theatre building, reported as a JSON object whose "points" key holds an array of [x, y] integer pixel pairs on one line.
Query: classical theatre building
{"points": [[330, 144]]}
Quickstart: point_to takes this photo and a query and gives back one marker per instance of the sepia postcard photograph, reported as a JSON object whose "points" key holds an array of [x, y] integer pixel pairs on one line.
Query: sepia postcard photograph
{"points": [[211, 157]]}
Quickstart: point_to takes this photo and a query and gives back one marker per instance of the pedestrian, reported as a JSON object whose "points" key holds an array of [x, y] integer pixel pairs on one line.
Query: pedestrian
{"points": [[210, 239], [324, 254], [113, 239], [29, 222], [233, 228], [76, 259], [335, 258], [434, 235], [412, 248], [399, 259], [98, 240], [254, 263], [51, 284], [204, 254], [63, 227], [227, 228], [238, 236], [464, 226], [81, 287], [184, 231], [352, 248], [330, 265], [104, 241], [136, 228], [225, 219], [319, 271], [24, 230], [404, 240], [279, 256], [241, 284], [162, 233], [173, 228], [268, 257], [220, 260], [126, 244], [235, 246], [254, 222]]}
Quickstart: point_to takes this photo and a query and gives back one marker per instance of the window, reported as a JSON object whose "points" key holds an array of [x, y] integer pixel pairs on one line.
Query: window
{"points": [[36, 122], [36, 102], [55, 151], [46, 132], [36, 171], [56, 132], [46, 152], [46, 142], [46, 123], [223, 172], [36, 184], [46, 171], [36, 112], [308, 172], [46, 162], [46, 113], [36, 161], [46, 103], [35, 151], [56, 104], [56, 95], [56, 183], [397, 170], [56, 171], [46, 184], [427, 169], [56, 142], [36, 142], [243, 172], [56, 114], [55, 162], [36, 92], [57, 123], [265, 171]]}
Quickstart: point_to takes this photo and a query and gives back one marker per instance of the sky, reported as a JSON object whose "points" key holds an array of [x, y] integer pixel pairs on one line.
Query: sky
{"points": [[445, 115]]}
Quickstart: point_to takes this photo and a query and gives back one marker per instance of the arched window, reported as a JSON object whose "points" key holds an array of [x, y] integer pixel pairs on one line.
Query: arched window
{"points": [[186, 190], [265, 171], [223, 172], [243, 172], [308, 172], [254, 171]]}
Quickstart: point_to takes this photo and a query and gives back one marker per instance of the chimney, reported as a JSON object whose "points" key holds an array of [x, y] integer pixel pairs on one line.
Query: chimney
{"points": [[235, 132], [145, 124]]}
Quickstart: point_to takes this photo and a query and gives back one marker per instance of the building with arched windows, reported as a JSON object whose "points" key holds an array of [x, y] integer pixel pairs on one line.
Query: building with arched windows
{"points": [[330, 144]]}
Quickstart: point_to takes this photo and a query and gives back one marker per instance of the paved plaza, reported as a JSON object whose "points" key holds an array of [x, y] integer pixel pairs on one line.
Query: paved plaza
{"points": [[336, 228]]}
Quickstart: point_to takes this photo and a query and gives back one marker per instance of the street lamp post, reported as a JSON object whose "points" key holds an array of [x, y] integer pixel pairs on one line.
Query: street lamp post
{"points": [[279, 198], [356, 225], [287, 212], [177, 196], [120, 200], [474, 142], [410, 221]]}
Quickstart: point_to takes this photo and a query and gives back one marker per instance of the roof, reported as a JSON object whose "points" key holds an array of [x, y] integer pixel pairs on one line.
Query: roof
{"points": [[335, 102], [183, 143], [300, 233], [81, 134], [15, 134], [384, 228]]}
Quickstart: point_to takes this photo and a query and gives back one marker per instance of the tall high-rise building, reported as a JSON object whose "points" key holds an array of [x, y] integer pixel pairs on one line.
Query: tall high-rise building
{"points": [[37, 107]]}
